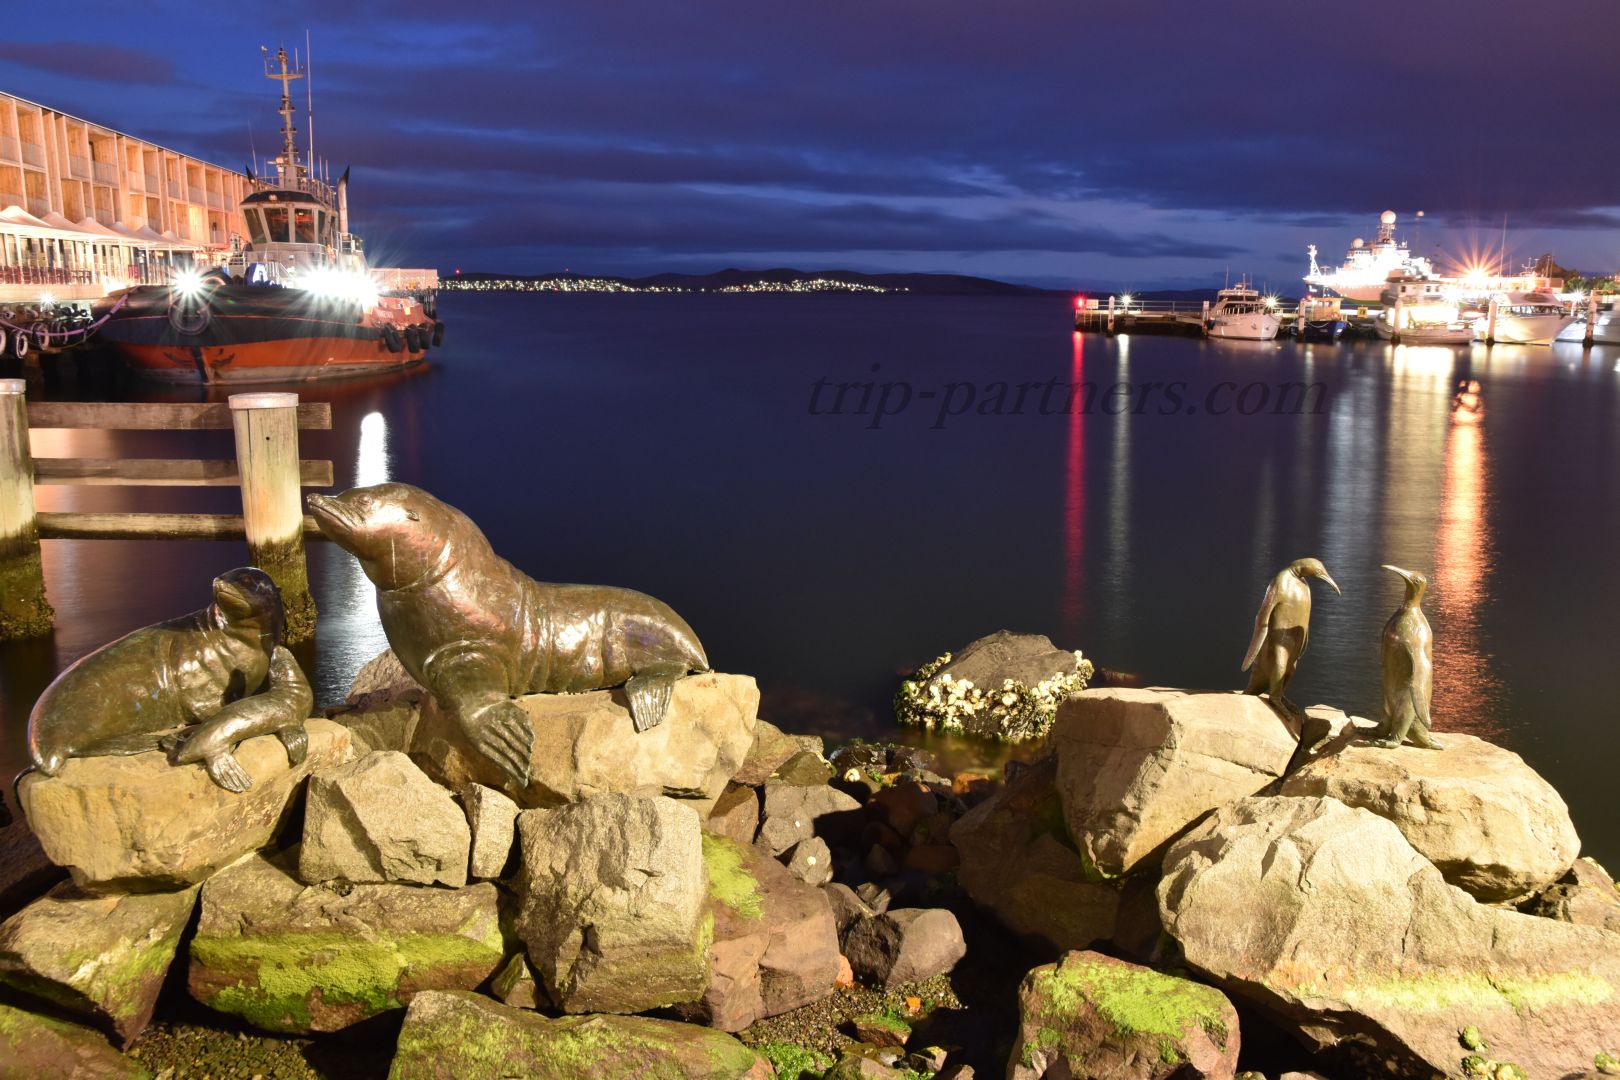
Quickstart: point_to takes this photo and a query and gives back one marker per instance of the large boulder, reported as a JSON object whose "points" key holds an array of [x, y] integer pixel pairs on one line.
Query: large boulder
{"points": [[139, 823], [905, 944], [613, 893], [1324, 916], [586, 744], [1585, 896], [775, 939], [1137, 767], [1491, 824], [293, 958], [381, 819], [492, 818], [1017, 861], [771, 748], [1004, 686], [34, 1046], [383, 706], [103, 956], [1092, 1015], [452, 1036]]}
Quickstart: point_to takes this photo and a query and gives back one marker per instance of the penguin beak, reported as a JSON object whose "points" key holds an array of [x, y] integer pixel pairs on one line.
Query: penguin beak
{"points": [[1405, 574], [1329, 579]]}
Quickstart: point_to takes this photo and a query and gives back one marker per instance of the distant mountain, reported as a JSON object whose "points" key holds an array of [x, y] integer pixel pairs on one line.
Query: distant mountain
{"points": [[929, 284]]}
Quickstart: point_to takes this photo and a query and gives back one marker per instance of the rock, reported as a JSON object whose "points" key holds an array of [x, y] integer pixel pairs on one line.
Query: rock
{"points": [[585, 744], [971, 694], [1017, 861], [805, 769], [811, 862], [1325, 917], [823, 810], [875, 896], [928, 1061], [903, 806], [514, 984], [492, 817], [1136, 767], [847, 906], [38, 1046], [778, 834], [879, 863], [994, 658], [458, 1034], [846, 974], [612, 892], [103, 956], [769, 749], [864, 1063], [1123, 1022], [1491, 824], [775, 940], [862, 756], [139, 823], [881, 1030], [905, 944], [293, 958], [1586, 896], [25, 872], [735, 815], [383, 707], [935, 860], [381, 819]]}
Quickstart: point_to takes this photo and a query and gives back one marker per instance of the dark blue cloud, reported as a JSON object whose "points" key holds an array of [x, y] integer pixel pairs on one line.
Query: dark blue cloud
{"points": [[1152, 143]]}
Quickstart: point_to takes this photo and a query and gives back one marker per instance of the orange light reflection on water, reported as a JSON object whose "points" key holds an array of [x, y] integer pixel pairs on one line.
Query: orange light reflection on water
{"points": [[1463, 681]]}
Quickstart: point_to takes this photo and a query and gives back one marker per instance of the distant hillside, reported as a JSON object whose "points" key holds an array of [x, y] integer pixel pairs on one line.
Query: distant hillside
{"points": [[929, 284]]}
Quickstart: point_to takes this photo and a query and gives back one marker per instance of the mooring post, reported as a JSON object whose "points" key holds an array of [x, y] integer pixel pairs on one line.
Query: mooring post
{"points": [[1490, 322], [24, 611], [272, 510], [1110, 314], [1400, 313], [1591, 316]]}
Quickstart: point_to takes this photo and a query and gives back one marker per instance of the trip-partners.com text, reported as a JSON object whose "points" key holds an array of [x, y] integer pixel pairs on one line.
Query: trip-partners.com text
{"points": [[879, 401]]}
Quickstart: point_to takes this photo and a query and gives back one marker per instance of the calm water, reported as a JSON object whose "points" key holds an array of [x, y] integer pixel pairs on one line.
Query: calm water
{"points": [[668, 444]]}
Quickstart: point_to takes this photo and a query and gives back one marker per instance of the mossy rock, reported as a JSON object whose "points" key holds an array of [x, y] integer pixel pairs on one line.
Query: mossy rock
{"points": [[453, 1035], [38, 1046], [1120, 1020]]}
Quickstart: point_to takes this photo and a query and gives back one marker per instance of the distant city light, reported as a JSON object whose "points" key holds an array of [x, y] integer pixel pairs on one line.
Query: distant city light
{"points": [[590, 284]]}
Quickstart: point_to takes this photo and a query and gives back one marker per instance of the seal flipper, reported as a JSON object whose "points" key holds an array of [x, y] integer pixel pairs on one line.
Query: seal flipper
{"points": [[227, 772], [649, 690], [296, 741], [504, 734]]}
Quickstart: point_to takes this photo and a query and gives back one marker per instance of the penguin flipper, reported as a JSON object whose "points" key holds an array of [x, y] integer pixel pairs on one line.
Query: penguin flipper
{"points": [[649, 691], [1262, 623]]}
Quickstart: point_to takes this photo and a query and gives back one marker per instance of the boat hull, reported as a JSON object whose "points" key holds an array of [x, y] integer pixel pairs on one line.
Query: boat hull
{"points": [[1528, 329], [254, 334], [1244, 328], [1321, 329]]}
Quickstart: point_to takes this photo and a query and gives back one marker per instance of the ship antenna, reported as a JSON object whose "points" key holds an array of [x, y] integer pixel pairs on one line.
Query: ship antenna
{"points": [[309, 95], [289, 132]]}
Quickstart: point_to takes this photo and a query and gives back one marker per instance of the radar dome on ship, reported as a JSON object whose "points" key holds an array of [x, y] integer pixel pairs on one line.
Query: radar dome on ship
{"points": [[1387, 217], [1358, 242]]}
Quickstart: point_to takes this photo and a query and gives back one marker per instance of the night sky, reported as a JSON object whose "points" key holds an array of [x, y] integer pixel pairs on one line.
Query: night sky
{"points": [[1126, 146]]}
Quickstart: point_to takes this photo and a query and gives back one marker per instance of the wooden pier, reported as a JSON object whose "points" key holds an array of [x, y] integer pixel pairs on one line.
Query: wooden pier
{"points": [[1124, 315], [266, 467]]}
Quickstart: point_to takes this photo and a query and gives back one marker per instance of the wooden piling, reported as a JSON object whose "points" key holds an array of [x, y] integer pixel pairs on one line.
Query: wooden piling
{"points": [[24, 611], [1591, 317], [1400, 315], [267, 454], [1110, 314], [1490, 321]]}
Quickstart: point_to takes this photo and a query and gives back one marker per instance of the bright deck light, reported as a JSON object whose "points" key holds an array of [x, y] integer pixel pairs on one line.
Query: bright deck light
{"points": [[46, 299], [1126, 300], [188, 283]]}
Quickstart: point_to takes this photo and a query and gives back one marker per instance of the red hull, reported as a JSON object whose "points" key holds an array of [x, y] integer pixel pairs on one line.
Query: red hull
{"points": [[287, 360]]}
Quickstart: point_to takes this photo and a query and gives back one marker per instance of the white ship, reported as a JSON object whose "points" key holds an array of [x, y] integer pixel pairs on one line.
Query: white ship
{"points": [[1368, 267], [1529, 318], [1240, 314]]}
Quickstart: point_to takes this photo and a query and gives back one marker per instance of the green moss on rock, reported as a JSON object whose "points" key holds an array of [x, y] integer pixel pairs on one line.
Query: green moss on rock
{"points": [[730, 883], [1136, 1001]]}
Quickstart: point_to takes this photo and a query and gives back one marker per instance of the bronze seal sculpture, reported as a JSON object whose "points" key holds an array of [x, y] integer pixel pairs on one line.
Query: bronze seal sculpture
{"points": [[476, 631], [1408, 655], [185, 685], [1281, 632]]}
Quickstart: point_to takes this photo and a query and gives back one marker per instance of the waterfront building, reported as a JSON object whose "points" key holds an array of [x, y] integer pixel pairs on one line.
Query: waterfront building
{"points": [[86, 209]]}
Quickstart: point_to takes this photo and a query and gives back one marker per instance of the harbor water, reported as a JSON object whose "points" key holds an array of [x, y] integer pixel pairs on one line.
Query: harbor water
{"points": [[835, 489]]}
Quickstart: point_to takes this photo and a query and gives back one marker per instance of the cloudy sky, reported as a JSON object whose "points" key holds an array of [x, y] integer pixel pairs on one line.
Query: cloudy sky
{"points": [[1136, 145]]}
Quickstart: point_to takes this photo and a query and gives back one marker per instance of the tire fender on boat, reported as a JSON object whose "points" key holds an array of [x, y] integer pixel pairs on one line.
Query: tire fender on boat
{"points": [[412, 342], [391, 337], [438, 333], [42, 335], [20, 344]]}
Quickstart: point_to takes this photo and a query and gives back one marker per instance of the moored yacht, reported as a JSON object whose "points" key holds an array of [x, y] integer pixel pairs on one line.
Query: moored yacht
{"points": [[1241, 314], [1421, 311], [1527, 318]]}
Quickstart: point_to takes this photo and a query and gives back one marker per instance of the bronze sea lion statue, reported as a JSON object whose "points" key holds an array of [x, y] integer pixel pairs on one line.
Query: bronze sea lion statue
{"points": [[1281, 631], [185, 682], [1408, 654], [476, 631]]}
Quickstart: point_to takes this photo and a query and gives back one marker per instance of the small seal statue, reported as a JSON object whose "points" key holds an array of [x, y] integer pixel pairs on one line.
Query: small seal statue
{"points": [[476, 631], [1281, 631], [184, 685], [1408, 649]]}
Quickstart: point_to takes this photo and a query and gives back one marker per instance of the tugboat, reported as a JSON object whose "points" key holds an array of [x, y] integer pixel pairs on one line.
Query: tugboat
{"points": [[298, 302]]}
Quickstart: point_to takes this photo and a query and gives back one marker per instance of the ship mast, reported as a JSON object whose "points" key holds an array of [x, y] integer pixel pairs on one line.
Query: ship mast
{"points": [[288, 168]]}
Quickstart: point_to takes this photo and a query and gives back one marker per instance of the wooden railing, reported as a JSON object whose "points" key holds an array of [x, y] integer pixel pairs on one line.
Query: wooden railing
{"points": [[267, 469]]}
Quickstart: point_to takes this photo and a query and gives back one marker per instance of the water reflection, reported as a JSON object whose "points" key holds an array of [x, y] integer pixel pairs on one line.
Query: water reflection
{"points": [[1117, 564], [1464, 684], [350, 631], [1074, 504]]}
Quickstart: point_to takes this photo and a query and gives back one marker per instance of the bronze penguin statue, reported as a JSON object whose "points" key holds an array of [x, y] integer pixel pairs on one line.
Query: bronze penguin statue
{"points": [[1408, 655], [1281, 632]]}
